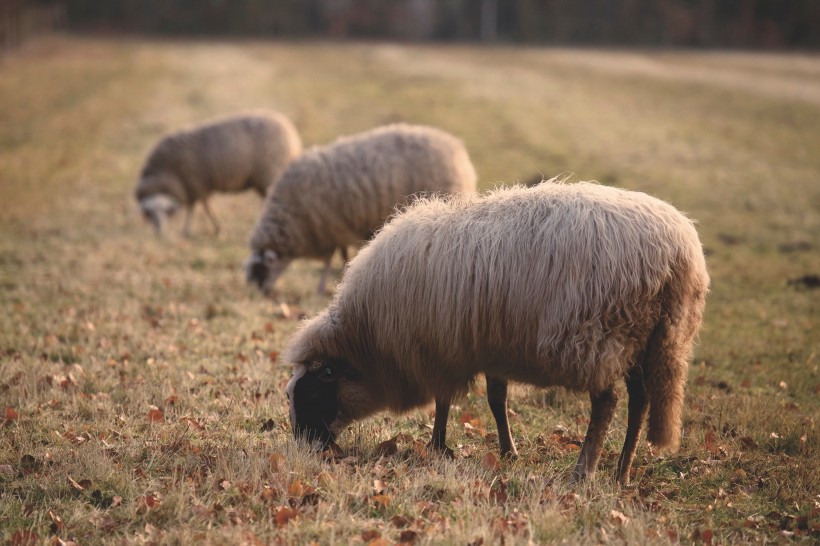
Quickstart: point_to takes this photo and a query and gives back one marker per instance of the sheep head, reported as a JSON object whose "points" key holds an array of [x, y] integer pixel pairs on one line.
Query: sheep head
{"points": [[263, 268], [325, 396], [158, 208]]}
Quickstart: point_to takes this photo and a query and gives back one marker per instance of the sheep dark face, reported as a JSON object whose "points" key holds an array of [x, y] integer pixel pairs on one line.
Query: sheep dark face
{"points": [[320, 394], [263, 268]]}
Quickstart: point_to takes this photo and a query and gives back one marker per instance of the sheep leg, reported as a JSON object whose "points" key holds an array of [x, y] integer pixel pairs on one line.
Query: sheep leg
{"points": [[323, 279], [497, 397], [439, 440], [343, 252], [638, 406], [603, 406], [186, 227], [211, 216]]}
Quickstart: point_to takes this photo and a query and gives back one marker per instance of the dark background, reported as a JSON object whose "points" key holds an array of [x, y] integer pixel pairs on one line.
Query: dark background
{"points": [[749, 24]]}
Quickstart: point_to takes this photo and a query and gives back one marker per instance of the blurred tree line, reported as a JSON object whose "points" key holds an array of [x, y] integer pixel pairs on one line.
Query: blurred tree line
{"points": [[699, 23]]}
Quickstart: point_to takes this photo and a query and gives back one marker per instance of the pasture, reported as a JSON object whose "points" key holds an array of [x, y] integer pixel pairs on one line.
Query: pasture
{"points": [[142, 395]]}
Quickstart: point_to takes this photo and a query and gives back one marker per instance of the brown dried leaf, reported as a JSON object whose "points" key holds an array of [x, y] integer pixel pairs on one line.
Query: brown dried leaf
{"points": [[408, 536], [420, 449], [74, 484], [370, 535], [399, 522], [284, 514], [24, 537], [296, 488], [706, 536], [618, 518], [490, 462], [277, 462], [380, 501], [10, 414], [155, 415], [387, 448]]}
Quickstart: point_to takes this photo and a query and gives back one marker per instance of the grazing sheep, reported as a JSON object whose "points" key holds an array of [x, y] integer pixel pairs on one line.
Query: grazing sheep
{"points": [[233, 154], [577, 285], [340, 194]]}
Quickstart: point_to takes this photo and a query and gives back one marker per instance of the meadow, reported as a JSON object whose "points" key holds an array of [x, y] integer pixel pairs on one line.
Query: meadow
{"points": [[141, 388]]}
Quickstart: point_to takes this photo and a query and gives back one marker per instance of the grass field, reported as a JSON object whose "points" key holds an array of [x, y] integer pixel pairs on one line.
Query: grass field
{"points": [[142, 397]]}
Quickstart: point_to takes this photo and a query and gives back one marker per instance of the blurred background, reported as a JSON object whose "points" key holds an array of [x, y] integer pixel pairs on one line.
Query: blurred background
{"points": [[687, 23]]}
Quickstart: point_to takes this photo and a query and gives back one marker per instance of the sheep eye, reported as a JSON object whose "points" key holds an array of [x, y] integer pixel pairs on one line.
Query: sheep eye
{"points": [[328, 372]]}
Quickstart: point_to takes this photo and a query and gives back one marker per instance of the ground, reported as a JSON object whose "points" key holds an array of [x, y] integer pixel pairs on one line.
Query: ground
{"points": [[140, 384]]}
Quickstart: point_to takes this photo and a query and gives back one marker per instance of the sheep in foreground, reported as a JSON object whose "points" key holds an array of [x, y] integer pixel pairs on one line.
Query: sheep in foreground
{"points": [[338, 195], [233, 154], [577, 285]]}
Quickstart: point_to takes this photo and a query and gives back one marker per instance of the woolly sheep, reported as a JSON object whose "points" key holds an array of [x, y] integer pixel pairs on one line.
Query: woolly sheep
{"points": [[338, 195], [233, 154], [576, 285]]}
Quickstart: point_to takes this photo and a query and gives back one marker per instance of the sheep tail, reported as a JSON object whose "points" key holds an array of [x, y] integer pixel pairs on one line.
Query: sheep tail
{"points": [[666, 363]]}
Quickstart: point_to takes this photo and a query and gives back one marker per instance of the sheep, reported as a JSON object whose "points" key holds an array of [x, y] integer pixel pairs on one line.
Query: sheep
{"points": [[573, 285], [338, 195], [232, 154]]}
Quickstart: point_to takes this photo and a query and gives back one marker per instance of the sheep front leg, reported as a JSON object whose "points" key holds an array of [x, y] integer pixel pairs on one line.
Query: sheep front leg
{"points": [[603, 406], [439, 440], [497, 398], [638, 405]]}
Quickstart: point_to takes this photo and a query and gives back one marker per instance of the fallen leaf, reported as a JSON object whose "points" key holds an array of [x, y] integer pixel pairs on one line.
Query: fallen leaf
{"points": [[10, 414], [748, 442], [490, 462], [399, 522], [284, 514], [155, 415], [277, 462], [379, 542], [408, 536], [296, 488], [378, 487], [380, 501], [75, 484], [57, 524], [30, 465], [618, 518], [706, 536], [24, 537], [420, 449], [387, 448], [370, 535]]}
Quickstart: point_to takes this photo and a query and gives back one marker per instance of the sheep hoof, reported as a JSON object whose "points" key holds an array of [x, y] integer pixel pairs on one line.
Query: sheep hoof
{"points": [[442, 450], [511, 455]]}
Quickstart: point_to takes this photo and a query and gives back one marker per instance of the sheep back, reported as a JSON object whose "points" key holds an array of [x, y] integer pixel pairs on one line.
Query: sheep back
{"points": [[340, 194]]}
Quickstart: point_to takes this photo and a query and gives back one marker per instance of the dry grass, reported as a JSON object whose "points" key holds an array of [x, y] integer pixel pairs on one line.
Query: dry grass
{"points": [[137, 374]]}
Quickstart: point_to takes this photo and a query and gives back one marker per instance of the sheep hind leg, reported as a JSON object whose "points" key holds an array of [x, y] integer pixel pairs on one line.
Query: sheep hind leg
{"points": [[211, 216], [439, 440], [186, 227], [638, 406], [497, 398], [603, 407], [322, 290]]}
